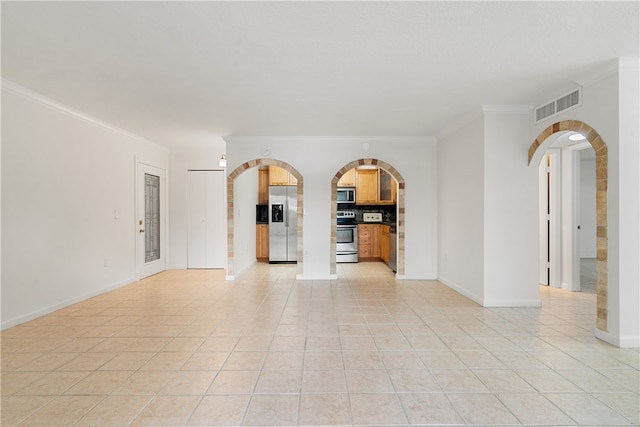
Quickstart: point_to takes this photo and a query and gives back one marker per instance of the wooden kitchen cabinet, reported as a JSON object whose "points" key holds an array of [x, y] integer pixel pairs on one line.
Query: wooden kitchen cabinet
{"points": [[369, 242], [280, 176], [348, 179], [384, 243], [364, 241], [367, 186], [375, 240], [387, 188], [263, 186], [262, 242]]}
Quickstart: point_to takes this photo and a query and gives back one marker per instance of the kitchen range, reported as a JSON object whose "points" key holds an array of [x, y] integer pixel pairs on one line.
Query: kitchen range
{"points": [[346, 237], [366, 200]]}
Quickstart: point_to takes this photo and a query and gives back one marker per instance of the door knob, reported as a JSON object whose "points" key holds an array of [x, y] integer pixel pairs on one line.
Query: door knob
{"points": [[142, 230]]}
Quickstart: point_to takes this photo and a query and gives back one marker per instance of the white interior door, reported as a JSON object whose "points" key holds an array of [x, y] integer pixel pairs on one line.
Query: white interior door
{"points": [[207, 224], [151, 220]]}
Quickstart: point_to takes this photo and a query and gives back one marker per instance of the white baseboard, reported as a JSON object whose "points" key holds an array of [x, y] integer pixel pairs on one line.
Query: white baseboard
{"points": [[461, 291], [50, 309], [568, 287], [512, 303], [415, 277], [622, 342], [239, 273], [177, 267], [316, 276]]}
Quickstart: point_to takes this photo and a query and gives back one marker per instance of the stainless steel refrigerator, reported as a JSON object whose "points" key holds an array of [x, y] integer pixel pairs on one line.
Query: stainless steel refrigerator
{"points": [[283, 221]]}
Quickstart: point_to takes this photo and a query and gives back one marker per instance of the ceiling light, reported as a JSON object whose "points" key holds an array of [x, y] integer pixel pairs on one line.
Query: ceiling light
{"points": [[222, 162], [577, 137]]}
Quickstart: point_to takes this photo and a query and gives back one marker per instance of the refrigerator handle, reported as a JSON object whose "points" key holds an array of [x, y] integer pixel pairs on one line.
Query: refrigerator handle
{"points": [[286, 213]]}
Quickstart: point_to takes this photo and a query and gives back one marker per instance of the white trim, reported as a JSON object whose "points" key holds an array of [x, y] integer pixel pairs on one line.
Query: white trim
{"points": [[512, 303], [622, 342], [414, 277], [461, 291], [594, 75], [355, 139], [629, 63], [66, 303], [460, 123], [177, 267], [38, 98], [506, 109], [316, 277], [238, 273]]}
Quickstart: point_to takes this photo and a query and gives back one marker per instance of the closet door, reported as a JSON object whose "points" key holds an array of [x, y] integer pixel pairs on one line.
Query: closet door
{"points": [[207, 223]]}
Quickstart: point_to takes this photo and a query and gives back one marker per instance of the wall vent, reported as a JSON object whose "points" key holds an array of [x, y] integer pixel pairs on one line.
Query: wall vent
{"points": [[566, 102]]}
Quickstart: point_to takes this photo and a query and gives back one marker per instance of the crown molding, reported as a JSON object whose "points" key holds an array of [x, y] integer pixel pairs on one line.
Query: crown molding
{"points": [[627, 63], [506, 109], [459, 123], [40, 99], [598, 73], [318, 139]]}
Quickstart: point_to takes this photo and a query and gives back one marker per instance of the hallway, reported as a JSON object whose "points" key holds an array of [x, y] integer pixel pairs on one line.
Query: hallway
{"points": [[186, 347]]}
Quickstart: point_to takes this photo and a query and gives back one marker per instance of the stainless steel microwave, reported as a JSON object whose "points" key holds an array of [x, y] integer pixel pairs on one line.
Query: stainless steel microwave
{"points": [[346, 195]]}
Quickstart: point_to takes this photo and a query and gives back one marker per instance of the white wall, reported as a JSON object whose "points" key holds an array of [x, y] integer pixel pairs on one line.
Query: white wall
{"points": [[319, 158], [610, 106], [587, 233], [181, 160], [461, 210], [245, 199], [629, 208], [63, 176], [510, 210]]}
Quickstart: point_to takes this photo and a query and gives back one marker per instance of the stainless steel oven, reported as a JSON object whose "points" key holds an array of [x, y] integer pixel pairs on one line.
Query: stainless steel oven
{"points": [[346, 237]]}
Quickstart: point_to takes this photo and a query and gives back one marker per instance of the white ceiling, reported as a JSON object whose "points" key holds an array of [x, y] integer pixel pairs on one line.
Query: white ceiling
{"points": [[185, 72]]}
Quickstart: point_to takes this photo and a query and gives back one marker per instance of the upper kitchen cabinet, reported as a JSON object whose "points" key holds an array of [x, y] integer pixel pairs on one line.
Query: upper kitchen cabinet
{"points": [[366, 186], [386, 188], [263, 186], [279, 176], [375, 187], [348, 179]]}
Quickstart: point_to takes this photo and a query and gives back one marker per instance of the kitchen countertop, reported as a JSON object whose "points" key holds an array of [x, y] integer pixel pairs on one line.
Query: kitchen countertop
{"points": [[391, 224]]}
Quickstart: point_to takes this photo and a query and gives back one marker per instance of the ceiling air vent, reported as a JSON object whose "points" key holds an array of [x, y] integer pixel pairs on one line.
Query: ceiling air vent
{"points": [[565, 102]]}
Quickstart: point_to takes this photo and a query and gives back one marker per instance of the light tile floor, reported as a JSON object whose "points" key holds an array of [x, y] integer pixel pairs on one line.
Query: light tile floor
{"points": [[188, 348]]}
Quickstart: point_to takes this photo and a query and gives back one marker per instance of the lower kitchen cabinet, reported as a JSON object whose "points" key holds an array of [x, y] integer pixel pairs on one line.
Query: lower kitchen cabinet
{"points": [[375, 240], [369, 242], [262, 242], [364, 241], [384, 243]]}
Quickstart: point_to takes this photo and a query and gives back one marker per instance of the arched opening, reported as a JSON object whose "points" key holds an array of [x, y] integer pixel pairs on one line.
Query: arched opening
{"points": [[231, 212], [537, 150], [400, 209]]}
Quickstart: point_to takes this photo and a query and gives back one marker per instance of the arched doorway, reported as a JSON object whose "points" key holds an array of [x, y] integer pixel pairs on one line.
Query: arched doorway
{"points": [[536, 151], [230, 208], [400, 208]]}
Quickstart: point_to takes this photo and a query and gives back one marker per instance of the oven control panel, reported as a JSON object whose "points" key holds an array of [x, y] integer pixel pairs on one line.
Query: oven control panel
{"points": [[372, 217], [345, 214]]}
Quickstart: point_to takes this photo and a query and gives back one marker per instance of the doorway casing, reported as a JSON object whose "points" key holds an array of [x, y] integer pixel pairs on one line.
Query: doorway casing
{"points": [[230, 208], [399, 215], [600, 147]]}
